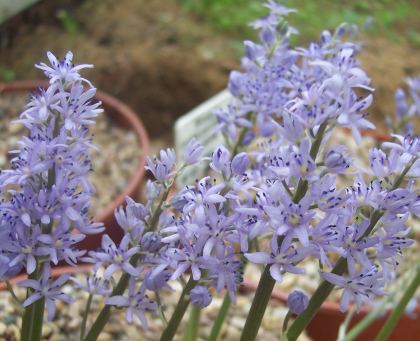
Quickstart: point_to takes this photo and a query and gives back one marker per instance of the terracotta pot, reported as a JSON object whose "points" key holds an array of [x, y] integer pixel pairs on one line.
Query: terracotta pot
{"points": [[125, 118]]}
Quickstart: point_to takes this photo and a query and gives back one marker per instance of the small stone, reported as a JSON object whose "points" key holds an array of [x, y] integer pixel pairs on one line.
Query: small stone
{"points": [[15, 128], [74, 324], [104, 336], [47, 330], [233, 333], [13, 331], [237, 321], [55, 337]]}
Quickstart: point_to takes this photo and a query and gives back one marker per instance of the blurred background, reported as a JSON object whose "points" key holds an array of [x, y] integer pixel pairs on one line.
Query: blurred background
{"points": [[164, 57]]}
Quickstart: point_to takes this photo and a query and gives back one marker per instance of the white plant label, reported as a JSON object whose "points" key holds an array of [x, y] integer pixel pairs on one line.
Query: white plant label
{"points": [[199, 123]]}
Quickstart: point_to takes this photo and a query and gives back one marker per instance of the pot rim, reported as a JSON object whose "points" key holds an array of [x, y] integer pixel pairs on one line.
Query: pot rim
{"points": [[134, 122]]}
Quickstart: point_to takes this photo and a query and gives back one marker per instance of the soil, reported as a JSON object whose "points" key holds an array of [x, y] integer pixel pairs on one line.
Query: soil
{"points": [[160, 59]]}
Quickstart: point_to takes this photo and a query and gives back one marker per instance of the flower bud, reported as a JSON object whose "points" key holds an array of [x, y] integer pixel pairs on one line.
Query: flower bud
{"points": [[235, 80], [192, 152], [240, 163], [250, 49], [267, 129], [179, 201], [248, 137], [283, 28], [221, 157], [336, 161], [268, 34], [297, 302], [7, 271], [326, 37], [340, 30], [200, 296], [153, 190], [150, 241], [156, 282]]}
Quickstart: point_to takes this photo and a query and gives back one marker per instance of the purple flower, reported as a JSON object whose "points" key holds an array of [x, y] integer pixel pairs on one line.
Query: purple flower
{"points": [[279, 258], [155, 280], [63, 71], [93, 286], [250, 49], [229, 272], [361, 195], [47, 290], [205, 194], [408, 148], [114, 258], [228, 121], [150, 241], [135, 302], [383, 165], [240, 163], [192, 152], [7, 271], [290, 129], [61, 244], [357, 285], [294, 220], [299, 164], [200, 296], [189, 257], [337, 162], [221, 160], [297, 302], [163, 167], [153, 190]]}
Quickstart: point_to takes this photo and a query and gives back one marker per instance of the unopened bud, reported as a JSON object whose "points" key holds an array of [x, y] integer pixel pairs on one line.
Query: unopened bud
{"points": [[268, 34], [150, 241], [153, 190], [240, 163], [250, 49], [297, 302]]}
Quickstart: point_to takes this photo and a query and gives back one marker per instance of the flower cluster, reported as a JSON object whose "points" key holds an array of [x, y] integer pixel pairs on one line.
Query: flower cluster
{"points": [[50, 168]]}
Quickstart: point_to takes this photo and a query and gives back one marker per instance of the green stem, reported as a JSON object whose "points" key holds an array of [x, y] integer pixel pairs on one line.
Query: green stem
{"points": [[259, 304], [343, 327], [238, 143], [396, 314], [161, 314], [221, 315], [158, 211], [85, 315], [105, 313], [13, 295], [320, 295], [33, 316], [220, 318], [180, 309], [285, 323], [193, 324]]}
